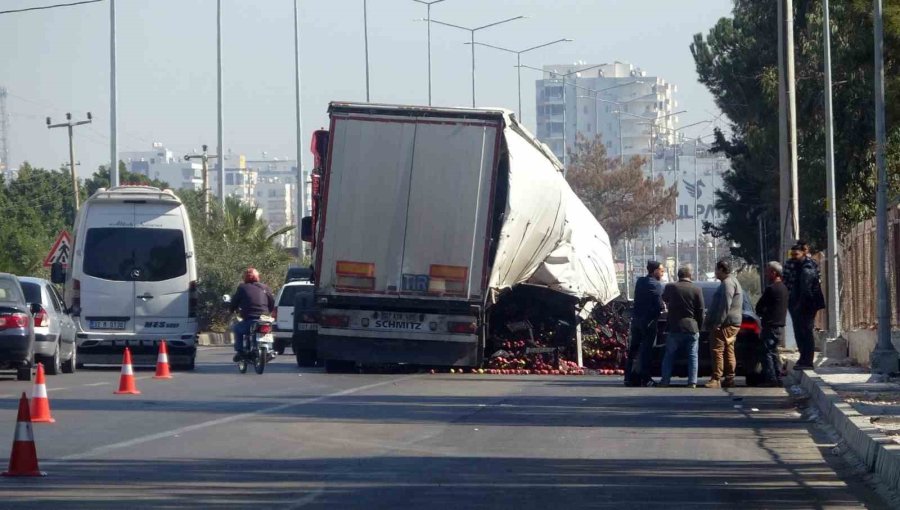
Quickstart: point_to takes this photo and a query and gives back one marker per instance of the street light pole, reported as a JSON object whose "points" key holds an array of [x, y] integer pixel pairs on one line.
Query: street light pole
{"points": [[519, 66], [472, 41], [366, 42], [428, 19], [884, 357], [220, 137], [301, 182], [834, 305], [113, 100]]}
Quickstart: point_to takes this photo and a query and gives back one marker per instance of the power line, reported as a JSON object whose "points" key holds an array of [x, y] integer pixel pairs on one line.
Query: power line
{"points": [[50, 6]]}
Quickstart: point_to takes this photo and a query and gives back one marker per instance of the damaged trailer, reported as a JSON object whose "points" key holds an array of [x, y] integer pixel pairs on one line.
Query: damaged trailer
{"points": [[423, 218]]}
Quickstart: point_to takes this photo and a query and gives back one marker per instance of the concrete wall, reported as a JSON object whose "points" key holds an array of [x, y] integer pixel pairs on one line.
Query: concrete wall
{"points": [[862, 342]]}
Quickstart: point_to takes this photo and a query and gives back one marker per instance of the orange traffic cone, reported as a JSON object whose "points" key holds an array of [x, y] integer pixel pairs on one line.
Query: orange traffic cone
{"points": [[126, 382], [23, 459], [40, 404], [162, 363]]}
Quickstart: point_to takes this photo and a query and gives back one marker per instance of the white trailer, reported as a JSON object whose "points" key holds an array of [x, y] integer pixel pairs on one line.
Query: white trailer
{"points": [[423, 216]]}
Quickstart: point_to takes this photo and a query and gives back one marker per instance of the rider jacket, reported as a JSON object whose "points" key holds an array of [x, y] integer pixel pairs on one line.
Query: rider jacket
{"points": [[253, 300]]}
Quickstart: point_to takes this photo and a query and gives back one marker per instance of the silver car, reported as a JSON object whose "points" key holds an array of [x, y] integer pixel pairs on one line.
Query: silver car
{"points": [[54, 329]]}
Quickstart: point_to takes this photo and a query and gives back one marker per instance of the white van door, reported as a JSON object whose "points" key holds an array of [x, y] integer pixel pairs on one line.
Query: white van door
{"points": [[107, 279], [162, 295]]}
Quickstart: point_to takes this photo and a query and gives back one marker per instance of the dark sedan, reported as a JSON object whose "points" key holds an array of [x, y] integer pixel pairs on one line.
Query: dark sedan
{"points": [[16, 329], [745, 346]]}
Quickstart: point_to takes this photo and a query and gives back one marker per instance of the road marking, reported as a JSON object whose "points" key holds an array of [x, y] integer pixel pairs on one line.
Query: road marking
{"points": [[59, 389], [306, 500], [97, 384], [221, 421]]}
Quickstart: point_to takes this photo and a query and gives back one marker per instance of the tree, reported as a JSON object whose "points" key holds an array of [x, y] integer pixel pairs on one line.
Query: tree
{"points": [[738, 63], [101, 179], [227, 243], [622, 199], [35, 207]]}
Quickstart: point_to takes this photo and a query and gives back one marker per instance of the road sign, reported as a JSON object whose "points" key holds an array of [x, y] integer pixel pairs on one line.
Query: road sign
{"points": [[61, 251]]}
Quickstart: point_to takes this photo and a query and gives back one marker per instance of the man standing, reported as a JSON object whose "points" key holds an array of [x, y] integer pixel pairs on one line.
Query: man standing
{"points": [[723, 322], [684, 300], [804, 301], [648, 305], [772, 310]]}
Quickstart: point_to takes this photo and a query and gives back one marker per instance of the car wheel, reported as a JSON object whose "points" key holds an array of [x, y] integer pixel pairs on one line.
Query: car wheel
{"points": [[69, 366], [53, 365], [23, 374]]}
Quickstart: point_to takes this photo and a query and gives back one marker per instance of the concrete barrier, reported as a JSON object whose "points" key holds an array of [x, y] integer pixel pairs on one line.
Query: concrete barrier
{"points": [[212, 339]]}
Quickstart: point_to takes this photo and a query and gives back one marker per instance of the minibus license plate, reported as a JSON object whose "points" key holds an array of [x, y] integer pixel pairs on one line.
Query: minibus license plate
{"points": [[107, 324]]}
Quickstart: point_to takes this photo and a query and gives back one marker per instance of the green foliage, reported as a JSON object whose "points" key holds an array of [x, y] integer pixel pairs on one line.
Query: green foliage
{"points": [[35, 208], [100, 179], [225, 245], [738, 63]]}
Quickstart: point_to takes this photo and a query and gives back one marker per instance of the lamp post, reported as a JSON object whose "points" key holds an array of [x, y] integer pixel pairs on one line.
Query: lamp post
{"points": [[428, 20], [472, 40], [518, 54], [366, 45]]}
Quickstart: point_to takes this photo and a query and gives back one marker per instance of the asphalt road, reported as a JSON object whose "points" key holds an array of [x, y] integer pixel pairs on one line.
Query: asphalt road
{"points": [[214, 438]]}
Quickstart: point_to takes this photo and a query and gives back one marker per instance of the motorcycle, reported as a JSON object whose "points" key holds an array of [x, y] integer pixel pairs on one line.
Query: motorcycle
{"points": [[258, 345]]}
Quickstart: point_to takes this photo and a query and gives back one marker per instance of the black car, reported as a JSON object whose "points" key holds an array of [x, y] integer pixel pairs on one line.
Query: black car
{"points": [[745, 348], [16, 328]]}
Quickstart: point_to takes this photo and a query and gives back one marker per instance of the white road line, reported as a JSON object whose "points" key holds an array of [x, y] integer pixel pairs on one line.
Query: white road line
{"points": [[59, 389], [220, 421], [97, 384], [306, 500], [7, 396]]}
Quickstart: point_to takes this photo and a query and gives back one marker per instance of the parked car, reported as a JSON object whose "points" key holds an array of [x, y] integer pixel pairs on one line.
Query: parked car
{"points": [[16, 328], [298, 274], [284, 312], [54, 329], [745, 349]]}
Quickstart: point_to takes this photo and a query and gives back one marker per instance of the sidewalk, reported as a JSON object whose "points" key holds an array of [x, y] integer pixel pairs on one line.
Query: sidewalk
{"points": [[864, 410]]}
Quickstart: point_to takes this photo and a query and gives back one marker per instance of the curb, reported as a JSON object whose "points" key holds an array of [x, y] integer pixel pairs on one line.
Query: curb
{"points": [[879, 453], [212, 339]]}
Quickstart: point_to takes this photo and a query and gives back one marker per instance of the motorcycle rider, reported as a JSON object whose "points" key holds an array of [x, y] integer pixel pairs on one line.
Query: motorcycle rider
{"points": [[253, 299]]}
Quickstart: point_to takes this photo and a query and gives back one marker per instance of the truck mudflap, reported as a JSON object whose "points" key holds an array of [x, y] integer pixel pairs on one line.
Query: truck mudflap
{"points": [[350, 346]]}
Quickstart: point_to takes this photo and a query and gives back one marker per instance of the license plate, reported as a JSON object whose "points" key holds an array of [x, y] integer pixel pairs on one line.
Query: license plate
{"points": [[107, 324], [307, 327]]}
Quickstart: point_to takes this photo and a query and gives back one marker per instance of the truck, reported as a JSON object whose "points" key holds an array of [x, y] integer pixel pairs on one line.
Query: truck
{"points": [[422, 218]]}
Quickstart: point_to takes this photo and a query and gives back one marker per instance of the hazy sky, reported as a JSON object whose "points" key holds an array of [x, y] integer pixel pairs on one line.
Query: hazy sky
{"points": [[58, 60]]}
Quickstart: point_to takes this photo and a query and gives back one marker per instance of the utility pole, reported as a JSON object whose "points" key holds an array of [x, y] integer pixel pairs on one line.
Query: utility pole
{"points": [[834, 298], [69, 124], [366, 37], [884, 357], [789, 200], [696, 213], [204, 159], [652, 178]]}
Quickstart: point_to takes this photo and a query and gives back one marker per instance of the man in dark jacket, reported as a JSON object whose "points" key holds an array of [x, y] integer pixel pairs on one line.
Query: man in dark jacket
{"points": [[648, 305], [253, 299], [772, 310], [804, 302], [684, 302]]}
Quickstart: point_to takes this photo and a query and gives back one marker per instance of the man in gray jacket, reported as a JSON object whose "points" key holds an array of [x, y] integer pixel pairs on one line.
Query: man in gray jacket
{"points": [[723, 322]]}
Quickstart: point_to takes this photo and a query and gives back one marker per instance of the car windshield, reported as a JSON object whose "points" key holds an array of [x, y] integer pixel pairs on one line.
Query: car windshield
{"points": [[32, 292], [135, 254], [290, 292], [9, 291]]}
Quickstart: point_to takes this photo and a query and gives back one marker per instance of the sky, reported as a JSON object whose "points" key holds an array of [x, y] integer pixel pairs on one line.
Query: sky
{"points": [[57, 61]]}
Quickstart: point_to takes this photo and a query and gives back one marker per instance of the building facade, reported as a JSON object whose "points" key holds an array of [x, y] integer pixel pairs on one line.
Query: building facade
{"points": [[617, 101]]}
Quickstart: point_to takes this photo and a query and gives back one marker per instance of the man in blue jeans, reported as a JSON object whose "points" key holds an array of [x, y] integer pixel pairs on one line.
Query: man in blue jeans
{"points": [[684, 301], [253, 299]]}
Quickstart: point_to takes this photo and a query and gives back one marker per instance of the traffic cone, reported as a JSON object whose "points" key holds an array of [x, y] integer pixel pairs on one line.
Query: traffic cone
{"points": [[23, 458], [40, 404], [126, 382], [162, 363]]}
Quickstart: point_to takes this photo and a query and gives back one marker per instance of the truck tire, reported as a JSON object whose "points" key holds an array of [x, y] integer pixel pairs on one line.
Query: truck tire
{"points": [[305, 357]]}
